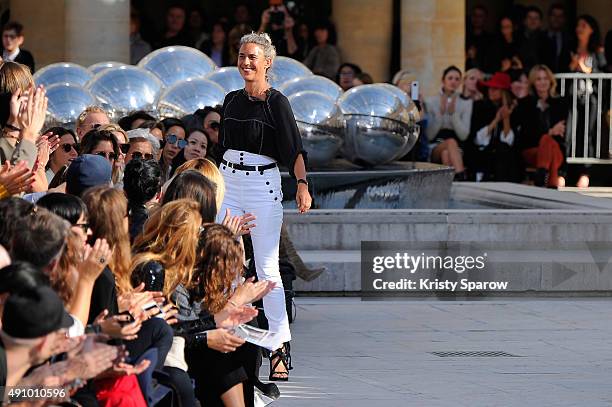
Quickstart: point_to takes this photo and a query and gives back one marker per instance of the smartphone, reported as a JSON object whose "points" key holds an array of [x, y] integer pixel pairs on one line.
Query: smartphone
{"points": [[414, 90], [153, 304]]}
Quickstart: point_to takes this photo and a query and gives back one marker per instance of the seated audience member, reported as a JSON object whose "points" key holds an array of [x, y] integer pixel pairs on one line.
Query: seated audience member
{"points": [[12, 40], [219, 266], [211, 122], [46, 232], [471, 79], [12, 212], [91, 118], [542, 117], [324, 58], [345, 75], [33, 322], [142, 183], [67, 151], [124, 146], [79, 264], [519, 84], [448, 124], [491, 152], [18, 142], [143, 145], [197, 144], [102, 143], [174, 142], [87, 171]]}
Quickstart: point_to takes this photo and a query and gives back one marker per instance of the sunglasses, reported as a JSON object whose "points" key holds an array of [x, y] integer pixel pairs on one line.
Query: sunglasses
{"points": [[173, 139], [138, 155], [67, 147], [108, 156], [83, 226], [125, 147], [215, 125]]}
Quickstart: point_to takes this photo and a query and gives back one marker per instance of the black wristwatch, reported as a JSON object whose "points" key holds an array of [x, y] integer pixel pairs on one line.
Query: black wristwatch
{"points": [[302, 181]]}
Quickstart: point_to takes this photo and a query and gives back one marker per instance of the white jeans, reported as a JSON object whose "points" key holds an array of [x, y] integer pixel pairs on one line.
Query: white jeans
{"points": [[260, 194]]}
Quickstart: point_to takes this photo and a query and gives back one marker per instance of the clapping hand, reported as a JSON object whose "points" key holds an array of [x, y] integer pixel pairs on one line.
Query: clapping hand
{"points": [[17, 178]]}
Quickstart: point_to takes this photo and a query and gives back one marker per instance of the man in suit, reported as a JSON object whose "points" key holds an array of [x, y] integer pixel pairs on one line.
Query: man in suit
{"points": [[12, 39]]}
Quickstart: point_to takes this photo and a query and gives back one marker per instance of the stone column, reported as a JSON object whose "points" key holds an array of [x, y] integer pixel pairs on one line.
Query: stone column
{"points": [[433, 37], [364, 34], [79, 31]]}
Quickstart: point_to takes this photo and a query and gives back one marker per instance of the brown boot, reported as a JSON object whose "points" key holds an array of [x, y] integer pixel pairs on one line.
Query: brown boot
{"points": [[286, 249]]}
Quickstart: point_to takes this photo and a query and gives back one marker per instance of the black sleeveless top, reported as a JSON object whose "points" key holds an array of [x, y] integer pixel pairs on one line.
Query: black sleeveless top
{"points": [[266, 127]]}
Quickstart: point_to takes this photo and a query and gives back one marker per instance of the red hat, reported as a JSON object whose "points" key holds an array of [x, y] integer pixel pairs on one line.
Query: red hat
{"points": [[499, 80]]}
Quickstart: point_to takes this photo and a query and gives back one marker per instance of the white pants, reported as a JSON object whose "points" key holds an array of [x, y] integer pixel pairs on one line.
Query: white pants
{"points": [[260, 194]]}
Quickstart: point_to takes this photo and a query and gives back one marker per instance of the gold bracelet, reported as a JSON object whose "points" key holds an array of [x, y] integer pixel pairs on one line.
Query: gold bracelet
{"points": [[233, 303], [4, 193]]}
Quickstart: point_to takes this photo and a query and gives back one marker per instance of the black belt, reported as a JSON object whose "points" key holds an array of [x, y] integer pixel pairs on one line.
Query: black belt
{"points": [[248, 167]]}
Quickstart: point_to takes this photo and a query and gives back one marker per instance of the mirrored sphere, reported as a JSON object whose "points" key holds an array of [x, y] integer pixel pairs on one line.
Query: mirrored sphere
{"points": [[320, 123], [62, 72], [228, 78], [410, 116], [372, 100], [177, 63], [315, 83], [186, 97], [284, 69], [126, 89], [100, 66], [377, 131], [66, 102]]}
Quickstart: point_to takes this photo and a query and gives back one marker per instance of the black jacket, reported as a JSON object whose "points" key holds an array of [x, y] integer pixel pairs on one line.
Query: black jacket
{"points": [[25, 58], [533, 123]]}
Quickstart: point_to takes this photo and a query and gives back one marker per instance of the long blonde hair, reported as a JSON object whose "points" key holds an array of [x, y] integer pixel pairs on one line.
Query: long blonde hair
{"points": [[171, 237], [207, 168], [107, 209]]}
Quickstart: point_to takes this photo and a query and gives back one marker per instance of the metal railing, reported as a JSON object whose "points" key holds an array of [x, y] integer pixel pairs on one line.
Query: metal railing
{"points": [[588, 99]]}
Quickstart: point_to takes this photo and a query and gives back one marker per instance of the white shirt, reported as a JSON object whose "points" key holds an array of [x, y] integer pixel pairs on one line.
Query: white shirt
{"points": [[11, 56]]}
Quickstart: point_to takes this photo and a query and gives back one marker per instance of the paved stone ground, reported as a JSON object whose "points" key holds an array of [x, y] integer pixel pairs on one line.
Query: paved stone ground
{"points": [[352, 353]]}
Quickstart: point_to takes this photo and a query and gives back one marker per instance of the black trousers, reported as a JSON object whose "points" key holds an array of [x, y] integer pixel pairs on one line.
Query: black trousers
{"points": [[154, 333]]}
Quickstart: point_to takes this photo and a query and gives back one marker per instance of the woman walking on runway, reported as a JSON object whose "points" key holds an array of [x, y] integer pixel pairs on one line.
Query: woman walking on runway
{"points": [[259, 130]]}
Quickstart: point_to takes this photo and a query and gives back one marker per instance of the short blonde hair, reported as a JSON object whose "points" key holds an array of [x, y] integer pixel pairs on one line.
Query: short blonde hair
{"points": [[207, 168], [88, 110], [533, 74]]}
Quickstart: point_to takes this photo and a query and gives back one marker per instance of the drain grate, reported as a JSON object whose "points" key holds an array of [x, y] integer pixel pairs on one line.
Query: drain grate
{"points": [[475, 354]]}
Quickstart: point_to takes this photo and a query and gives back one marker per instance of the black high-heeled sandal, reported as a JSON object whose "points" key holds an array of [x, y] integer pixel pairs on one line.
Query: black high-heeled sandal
{"points": [[282, 355]]}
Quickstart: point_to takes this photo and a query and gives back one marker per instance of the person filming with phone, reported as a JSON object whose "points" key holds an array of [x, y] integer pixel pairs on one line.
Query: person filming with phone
{"points": [[277, 22]]}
